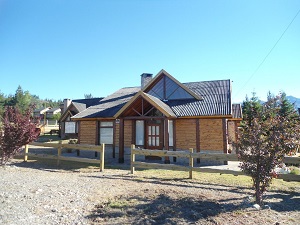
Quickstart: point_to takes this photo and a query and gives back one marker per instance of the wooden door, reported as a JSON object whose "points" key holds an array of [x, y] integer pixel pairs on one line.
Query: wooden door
{"points": [[154, 136]]}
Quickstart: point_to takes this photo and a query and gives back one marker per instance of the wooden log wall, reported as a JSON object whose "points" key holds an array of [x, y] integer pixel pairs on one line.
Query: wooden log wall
{"points": [[211, 134], [88, 132], [117, 132], [185, 133], [127, 133], [231, 131]]}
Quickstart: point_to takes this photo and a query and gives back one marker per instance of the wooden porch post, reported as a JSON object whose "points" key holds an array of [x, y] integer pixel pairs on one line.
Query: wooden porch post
{"points": [[114, 140], [174, 139], [166, 141], [225, 138], [121, 141], [198, 137]]}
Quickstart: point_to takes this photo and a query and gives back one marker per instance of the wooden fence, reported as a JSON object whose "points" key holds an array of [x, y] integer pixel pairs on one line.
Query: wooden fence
{"points": [[59, 157], [191, 156]]}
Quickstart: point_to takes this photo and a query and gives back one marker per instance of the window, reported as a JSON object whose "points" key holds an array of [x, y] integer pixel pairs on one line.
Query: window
{"points": [[70, 127], [106, 133], [139, 134], [167, 89], [170, 130]]}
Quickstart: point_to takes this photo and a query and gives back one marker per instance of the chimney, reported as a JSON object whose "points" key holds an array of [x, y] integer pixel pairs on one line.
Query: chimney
{"points": [[67, 102], [145, 79]]}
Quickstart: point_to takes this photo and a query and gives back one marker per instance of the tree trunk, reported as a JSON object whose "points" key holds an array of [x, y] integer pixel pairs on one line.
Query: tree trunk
{"points": [[258, 193]]}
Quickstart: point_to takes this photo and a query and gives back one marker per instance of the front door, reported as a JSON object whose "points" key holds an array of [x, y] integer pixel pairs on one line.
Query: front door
{"points": [[154, 136]]}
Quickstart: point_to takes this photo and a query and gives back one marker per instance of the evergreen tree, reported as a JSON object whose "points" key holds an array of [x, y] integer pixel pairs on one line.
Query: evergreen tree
{"points": [[22, 99], [2, 104], [88, 96], [286, 107], [251, 108]]}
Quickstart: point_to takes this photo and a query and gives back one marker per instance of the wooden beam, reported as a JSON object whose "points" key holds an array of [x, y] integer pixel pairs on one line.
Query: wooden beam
{"points": [[166, 139], [114, 140], [174, 139], [121, 141], [198, 138], [224, 124], [160, 166]]}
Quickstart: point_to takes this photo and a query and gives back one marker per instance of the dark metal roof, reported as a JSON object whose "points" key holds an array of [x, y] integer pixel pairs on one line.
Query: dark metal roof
{"points": [[110, 105], [88, 101], [237, 111], [216, 99], [161, 104], [79, 106], [53, 110]]}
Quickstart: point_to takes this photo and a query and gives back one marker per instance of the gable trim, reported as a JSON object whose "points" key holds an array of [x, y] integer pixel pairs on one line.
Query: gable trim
{"points": [[68, 112], [144, 96]]}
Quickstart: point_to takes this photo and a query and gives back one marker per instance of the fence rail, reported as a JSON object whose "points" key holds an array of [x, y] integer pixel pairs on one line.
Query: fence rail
{"points": [[191, 156], [59, 157]]}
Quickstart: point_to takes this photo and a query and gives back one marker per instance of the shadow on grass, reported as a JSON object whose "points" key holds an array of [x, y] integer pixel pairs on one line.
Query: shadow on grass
{"points": [[51, 165], [280, 201], [162, 209], [48, 137]]}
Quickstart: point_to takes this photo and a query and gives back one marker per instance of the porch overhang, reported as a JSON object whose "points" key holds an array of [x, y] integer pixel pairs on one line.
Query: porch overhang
{"points": [[155, 102]]}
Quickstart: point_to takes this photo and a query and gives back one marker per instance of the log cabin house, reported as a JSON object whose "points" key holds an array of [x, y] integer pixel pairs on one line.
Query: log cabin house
{"points": [[69, 108], [163, 114]]}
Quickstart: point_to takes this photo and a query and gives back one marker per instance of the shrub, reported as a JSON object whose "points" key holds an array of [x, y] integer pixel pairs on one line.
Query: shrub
{"points": [[17, 130]]}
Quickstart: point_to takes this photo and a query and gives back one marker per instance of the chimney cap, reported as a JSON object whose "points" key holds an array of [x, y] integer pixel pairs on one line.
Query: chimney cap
{"points": [[146, 75]]}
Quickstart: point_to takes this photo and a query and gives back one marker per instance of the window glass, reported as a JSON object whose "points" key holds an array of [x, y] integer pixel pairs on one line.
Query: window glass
{"points": [[106, 132], [139, 136], [170, 130], [149, 141], [106, 124], [70, 127], [157, 141], [106, 135]]}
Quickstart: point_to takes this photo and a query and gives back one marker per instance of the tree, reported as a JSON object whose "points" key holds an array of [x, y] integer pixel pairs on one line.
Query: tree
{"points": [[88, 96], [271, 133], [2, 102], [251, 107], [17, 130], [56, 116], [21, 99]]}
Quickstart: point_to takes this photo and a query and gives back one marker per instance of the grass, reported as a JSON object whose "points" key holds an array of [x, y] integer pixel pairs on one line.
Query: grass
{"points": [[204, 178], [48, 138], [216, 179], [295, 170]]}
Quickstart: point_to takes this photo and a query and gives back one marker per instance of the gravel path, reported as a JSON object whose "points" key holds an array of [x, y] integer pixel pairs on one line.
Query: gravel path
{"points": [[36, 195]]}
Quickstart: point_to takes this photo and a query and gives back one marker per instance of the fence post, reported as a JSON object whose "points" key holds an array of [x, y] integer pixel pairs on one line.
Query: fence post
{"points": [[59, 152], [26, 153], [102, 157], [132, 159], [191, 163]]}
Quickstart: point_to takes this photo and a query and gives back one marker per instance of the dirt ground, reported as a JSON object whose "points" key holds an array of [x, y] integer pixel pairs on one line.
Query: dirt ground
{"points": [[47, 194]]}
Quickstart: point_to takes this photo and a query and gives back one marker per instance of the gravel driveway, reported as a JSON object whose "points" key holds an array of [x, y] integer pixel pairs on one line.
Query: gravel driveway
{"points": [[34, 194]]}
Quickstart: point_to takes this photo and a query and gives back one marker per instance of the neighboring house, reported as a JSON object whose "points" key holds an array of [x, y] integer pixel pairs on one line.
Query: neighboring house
{"points": [[163, 114], [68, 128], [40, 113], [51, 112]]}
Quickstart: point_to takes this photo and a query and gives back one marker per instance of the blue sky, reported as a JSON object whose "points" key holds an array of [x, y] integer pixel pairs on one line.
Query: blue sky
{"points": [[64, 49]]}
